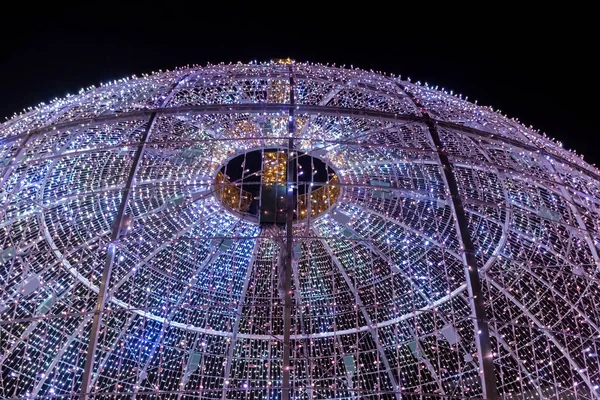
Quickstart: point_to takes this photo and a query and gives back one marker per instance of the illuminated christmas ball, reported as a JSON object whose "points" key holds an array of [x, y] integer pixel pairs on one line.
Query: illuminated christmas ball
{"points": [[289, 230]]}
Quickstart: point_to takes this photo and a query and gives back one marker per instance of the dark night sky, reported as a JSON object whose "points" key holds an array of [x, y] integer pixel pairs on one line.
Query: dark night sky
{"points": [[539, 68]]}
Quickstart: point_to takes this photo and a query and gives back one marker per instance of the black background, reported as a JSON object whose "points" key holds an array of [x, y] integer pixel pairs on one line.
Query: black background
{"points": [[538, 65]]}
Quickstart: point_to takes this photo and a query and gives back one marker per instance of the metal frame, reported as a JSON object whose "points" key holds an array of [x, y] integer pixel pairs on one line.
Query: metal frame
{"points": [[476, 300], [111, 252], [110, 258], [480, 320], [289, 221], [270, 108], [368, 96]]}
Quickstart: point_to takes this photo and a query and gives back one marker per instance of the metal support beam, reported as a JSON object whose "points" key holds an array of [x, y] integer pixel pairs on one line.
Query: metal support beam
{"points": [[110, 258], [275, 108], [116, 234], [289, 221], [238, 314], [303, 329], [476, 300]]}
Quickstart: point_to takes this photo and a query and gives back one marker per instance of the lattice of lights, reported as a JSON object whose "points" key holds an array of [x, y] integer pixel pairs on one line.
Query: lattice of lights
{"points": [[381, 282], [231, 195], [321, 199], [275, 167]]}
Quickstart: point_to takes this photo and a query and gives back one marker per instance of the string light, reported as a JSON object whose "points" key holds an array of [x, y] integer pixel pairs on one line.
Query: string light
{"points": [[381, 304]]}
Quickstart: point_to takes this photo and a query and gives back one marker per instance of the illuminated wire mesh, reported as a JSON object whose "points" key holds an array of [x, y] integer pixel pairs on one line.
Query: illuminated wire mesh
{"points": [[381, 305]]}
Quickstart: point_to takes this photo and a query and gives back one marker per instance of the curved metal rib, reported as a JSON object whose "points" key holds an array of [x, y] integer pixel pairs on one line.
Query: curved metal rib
{"points": [[111, 253], [273, 108]]}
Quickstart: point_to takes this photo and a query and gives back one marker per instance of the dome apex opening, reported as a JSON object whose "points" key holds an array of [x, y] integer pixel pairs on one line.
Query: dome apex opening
{"points": [[253, 185]]}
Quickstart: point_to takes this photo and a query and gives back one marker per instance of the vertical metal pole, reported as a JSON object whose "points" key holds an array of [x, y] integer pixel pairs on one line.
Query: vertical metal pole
{"points": [[287, 284], [482, 333], [110, 258]]}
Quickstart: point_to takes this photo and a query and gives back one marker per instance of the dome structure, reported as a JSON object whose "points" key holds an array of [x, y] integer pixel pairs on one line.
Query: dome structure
{"points": [[290, 230]]}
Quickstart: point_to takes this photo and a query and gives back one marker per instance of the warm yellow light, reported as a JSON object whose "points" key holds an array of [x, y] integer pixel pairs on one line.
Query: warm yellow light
{"points": [[274, 167], [231, 196], [321, 199]]}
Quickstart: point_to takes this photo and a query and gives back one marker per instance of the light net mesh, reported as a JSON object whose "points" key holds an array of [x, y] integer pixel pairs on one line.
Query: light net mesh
{"points": [[380, 300]]}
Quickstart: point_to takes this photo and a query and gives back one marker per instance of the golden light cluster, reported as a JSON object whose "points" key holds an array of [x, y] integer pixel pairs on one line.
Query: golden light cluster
{"points": [[232, 196], [278, 92], [286, 61], [245, 129], [274, 167], [320, 199]]}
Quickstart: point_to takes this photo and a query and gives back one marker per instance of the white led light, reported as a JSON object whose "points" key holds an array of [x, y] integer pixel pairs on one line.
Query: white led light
{"points": [[441, 242]]}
